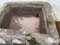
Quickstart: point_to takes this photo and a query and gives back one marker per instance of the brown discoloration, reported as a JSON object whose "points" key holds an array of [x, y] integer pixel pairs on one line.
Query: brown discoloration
{"points": [[58, 27]]}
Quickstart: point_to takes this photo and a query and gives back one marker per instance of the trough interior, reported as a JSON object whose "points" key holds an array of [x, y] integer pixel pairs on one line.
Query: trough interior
{"points": [[27, 19]]}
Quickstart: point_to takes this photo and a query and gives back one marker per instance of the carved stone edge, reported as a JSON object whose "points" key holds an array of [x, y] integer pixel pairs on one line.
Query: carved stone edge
{"points": [[47, 8]]}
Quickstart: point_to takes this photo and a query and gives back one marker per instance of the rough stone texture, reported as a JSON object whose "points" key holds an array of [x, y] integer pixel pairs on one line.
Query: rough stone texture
{"points": [[48, 29]]}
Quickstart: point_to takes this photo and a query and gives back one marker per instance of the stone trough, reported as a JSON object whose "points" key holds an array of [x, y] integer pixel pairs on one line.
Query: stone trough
{"points": [[17, 19]]}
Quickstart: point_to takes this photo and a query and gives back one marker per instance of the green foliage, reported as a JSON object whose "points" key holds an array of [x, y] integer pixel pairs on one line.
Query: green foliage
{"points": [[33, 41], [49, 21], [28, 34]]}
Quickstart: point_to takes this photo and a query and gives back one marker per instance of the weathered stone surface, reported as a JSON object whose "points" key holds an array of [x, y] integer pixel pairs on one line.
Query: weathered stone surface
{"points": [[47, 33]]}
